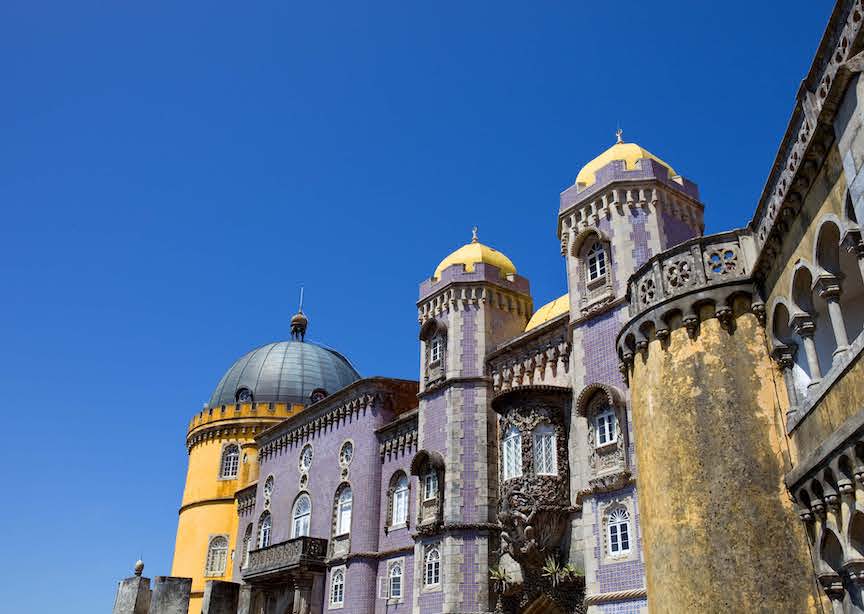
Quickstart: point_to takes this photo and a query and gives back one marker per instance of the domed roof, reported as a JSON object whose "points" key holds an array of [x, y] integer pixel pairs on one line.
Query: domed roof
{"points": [[549, 311], [284, 372], [473, 253], [629, 153]]}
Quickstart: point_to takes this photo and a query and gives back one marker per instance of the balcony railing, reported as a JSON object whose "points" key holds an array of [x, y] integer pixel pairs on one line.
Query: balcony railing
{"points": [[297, 553]]}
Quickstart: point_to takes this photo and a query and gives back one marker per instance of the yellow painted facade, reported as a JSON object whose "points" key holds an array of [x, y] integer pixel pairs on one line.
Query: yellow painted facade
{"points": [[714, 415], [208, 507]]}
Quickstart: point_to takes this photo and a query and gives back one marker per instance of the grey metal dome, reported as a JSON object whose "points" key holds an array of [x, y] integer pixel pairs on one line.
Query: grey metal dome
{"points": [[284, 372]]}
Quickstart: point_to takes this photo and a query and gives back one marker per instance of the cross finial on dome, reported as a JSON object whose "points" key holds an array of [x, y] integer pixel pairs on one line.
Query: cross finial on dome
{"points": [[474, 238], [619, 133]]}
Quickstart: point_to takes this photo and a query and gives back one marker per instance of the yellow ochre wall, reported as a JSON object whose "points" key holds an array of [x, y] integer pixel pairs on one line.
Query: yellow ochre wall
{"points": [[208, 507], [718, 529]]}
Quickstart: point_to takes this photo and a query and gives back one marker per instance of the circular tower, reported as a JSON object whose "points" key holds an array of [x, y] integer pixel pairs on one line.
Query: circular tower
{"points": [[719, 531], [260, 389]]}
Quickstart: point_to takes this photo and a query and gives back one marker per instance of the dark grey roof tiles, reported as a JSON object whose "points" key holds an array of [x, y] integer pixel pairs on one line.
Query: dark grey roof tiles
{"points": [[285, 372]]}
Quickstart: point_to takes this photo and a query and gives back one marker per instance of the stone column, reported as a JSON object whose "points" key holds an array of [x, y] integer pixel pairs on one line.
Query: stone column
{"points": [[805, 328], [133, 594], [784, 356], [170, 595], [833, 587], [829, 289], [855, 573]]}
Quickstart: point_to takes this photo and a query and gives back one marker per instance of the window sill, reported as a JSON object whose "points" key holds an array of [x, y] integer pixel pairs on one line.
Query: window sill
{"points": [[398, 527], [609, 445], [432, 588]]}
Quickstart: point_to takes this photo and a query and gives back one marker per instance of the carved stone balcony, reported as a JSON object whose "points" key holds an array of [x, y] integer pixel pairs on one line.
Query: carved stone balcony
{"points": [[285, 558]]}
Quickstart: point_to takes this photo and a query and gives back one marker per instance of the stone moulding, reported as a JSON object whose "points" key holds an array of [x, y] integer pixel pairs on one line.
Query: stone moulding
{"points": [[285, 556], [598, 598], [809, 131]]}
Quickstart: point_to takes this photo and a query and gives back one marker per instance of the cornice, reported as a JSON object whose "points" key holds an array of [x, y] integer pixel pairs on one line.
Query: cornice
{"points": [[809, 132]]}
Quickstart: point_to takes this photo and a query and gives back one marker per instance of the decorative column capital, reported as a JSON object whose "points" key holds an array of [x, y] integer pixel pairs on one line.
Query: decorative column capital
{"points": [[854, 570], [784, 356], [803, 324], [828, 287], [832, 584]]}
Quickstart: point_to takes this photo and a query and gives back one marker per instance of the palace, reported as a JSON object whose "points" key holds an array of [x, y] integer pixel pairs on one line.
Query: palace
{"points": [[681, 431]]}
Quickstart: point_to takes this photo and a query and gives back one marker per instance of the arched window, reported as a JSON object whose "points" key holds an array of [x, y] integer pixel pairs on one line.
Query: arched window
{"points": [[432, 567], [606, 426], [217, 556], [512, 453], [545, 450], [247, 545], [302, 514], [306, 457], [595, 260], [399, 514], [618, 531], [343, 511], [230, 461], [395, 581], [337, 587], [265, 526], [430, 484], [346, 454]]}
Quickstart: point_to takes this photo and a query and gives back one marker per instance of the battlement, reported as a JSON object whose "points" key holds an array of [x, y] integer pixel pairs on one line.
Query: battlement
{"points": [[241, 411]]}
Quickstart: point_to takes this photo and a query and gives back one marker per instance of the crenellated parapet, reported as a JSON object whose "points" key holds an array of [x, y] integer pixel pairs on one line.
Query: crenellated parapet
{"points": [[243, 420], [458, 290], [673, 288], [625, 191], [332, 412], [540, 357], [399, 437]]}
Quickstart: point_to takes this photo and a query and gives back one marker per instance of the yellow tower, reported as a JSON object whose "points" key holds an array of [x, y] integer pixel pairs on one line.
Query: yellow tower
{"points": [[262, 388]]}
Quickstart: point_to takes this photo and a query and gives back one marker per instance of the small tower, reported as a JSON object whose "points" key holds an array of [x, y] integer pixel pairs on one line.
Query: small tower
{"points": [[474, 301]]}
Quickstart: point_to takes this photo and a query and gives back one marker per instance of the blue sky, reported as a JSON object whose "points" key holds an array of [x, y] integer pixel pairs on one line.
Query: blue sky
{"points": [[171, 173]]}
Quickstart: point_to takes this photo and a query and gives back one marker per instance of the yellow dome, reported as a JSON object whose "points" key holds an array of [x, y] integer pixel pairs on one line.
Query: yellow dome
{"points": [[629, 153], [549, 311], [474, 252]]}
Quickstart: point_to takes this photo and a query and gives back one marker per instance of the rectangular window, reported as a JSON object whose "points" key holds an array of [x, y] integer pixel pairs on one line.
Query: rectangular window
{"points": [[430, 489], [545, 461], [400, 507], [606, 428], [435, 350]]}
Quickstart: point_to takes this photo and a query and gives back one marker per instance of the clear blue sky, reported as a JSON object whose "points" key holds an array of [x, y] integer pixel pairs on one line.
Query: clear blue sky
{"points": [[172, 172]]}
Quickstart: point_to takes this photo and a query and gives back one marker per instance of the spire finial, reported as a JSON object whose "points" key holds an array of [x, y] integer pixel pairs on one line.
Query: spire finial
{"points": [[474, 238], [619, 133], [299, 321]]}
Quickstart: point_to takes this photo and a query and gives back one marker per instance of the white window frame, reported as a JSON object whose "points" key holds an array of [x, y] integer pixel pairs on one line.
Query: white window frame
{"points": [[337, 600], [304, 518], [545, 450], [595, 259], [399, 506], [618, 532], [511, 453], [392, 577], [230, 462], [216, 561], [430, 485], [435, 349], [265, 530], [432, 567], [605, 427], [248, 540], [344, 511]]}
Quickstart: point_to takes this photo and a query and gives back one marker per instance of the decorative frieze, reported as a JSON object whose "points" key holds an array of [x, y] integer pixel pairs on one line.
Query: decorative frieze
{"points": [[539, 360], [462, 296]]}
